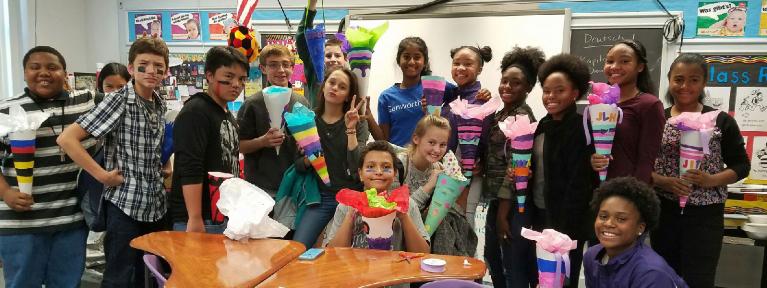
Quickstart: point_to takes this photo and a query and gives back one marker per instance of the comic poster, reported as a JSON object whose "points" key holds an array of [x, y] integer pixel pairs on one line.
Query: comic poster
{"points": [[185, 26], [148, 25], [718, 98], [763, 19], [722, 18], [751, 108], [759, 159], [219, 25]]}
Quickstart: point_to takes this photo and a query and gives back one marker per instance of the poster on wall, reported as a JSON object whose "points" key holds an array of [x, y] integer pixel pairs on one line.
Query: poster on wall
{"points": [[85, 81], [219, 25], [185, 26], [763, 19], [718, 98], [148, 25], [759, 159], [297, 78], [722, 18], [751, 108]]}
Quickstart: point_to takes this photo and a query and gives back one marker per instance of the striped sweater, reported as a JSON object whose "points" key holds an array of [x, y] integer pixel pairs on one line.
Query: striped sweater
{"points": [[56, 205]]}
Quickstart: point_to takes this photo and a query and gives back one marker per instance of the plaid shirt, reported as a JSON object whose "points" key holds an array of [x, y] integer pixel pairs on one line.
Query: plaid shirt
{"points": [[133, 146]]}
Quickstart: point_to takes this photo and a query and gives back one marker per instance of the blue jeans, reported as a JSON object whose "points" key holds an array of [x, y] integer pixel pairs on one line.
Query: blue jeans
{"points": [[315, 219], [125, 266], [511, 262], [56, 259], [209, 227]]}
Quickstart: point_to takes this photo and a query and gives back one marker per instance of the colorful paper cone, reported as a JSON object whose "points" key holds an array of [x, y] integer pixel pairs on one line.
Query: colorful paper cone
{"points": [[446, 192], [303, 128], [379, 231], [551, 268], [690, 155], [695, 129], [469, 134], [362, 42], [23, 149], [214, 183], [434, 92], [315, 41], [551, 249], [276, 99], [604, 118], [521, 153]]}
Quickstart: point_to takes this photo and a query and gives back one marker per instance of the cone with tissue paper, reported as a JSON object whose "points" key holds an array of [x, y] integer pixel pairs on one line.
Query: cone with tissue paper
{"points": [[696, 130], [276, 99], [215, 179], [450, 184], [434, 92], [470, 128], [604, 116], [248, 208], [301, 125], [551, 249], [520, 133], [377, 212], [362, 41], [21, 128]]}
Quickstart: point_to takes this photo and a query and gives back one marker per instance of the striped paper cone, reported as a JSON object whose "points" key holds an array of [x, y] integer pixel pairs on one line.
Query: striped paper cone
{"points": [[551, 268], [359, 61], [434, 92], [690, 155], [469, 132], [445, 193], [521, 152], [604, 118], [214, 182], [23, 149], [301, 125], [379, 231]]}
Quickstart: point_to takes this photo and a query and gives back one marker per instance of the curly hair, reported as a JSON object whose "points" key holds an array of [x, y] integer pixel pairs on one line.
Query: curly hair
{"points": [[527, 59], [638, 193], [484, 54], [574, 69], [378, 145]]}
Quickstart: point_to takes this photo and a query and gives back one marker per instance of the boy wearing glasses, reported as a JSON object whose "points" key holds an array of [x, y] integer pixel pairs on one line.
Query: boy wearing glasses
{"points": [[132, 123], [205, 140], [263, 166]]}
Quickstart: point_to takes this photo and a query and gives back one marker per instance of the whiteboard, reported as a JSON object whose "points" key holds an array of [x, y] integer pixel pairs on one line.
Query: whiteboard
{"points": [[547, 30]]}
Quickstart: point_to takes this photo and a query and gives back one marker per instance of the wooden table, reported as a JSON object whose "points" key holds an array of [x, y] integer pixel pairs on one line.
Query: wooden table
{"points": [[348, 267], [212, 260]]}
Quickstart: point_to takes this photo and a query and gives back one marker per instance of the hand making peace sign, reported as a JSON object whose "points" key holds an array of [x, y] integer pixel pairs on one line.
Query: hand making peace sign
{"points": [[353, 115]]}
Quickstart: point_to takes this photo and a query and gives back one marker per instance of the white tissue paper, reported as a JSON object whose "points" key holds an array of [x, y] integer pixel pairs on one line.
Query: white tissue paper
{"points": [[248, 207], [19, 120]]}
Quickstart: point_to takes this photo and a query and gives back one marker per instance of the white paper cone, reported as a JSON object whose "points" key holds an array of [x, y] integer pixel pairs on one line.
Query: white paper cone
{"points": [[276, 99], [380, 231]]}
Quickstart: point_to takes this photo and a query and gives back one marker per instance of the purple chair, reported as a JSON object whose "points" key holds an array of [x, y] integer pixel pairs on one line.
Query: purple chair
{"points": [[152, 263], [452, 283]]}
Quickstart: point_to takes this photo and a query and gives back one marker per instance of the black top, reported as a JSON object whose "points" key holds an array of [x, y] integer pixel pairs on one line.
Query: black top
{"points": [[733, 149], [205, 140], [264, 168], [568, 176]]}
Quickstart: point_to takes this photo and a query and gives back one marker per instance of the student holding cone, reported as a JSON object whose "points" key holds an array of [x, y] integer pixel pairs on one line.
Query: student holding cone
{"points": [[258, 140], [691, 242]]}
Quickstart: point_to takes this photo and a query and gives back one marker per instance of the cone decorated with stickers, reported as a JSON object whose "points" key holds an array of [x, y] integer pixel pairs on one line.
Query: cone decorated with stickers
{"points": [[303, 128], [450, 184], [604, 115], [695, 133], [521, 133], [434, 92]]}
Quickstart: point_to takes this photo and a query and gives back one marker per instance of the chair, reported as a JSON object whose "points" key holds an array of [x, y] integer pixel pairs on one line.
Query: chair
{"points": [[152, 262], [452, 283]]}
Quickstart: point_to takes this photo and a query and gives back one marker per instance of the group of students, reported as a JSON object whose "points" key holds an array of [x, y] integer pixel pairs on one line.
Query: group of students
{"points": [[42, 235]]}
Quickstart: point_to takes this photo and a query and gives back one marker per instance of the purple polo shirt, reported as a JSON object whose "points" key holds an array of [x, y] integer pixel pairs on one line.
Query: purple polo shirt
{"points": [[638, 266]]}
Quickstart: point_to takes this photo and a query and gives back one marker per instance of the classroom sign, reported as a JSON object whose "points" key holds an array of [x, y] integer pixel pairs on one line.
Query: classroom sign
{"points": [[738, 84], [185, 26], [722, 18], [219, 25], [148, 25]]}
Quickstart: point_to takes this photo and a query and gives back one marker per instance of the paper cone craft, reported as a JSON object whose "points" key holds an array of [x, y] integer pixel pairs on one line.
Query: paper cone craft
{"points": [[304, 130], [21, 127], [315, 41], [214, 183], [276, 99], [521, 133], [450, 184], [470, 128], [377, 212], [551, 249], [604, 115], [696, 130], [362, 41], [434, 92]]}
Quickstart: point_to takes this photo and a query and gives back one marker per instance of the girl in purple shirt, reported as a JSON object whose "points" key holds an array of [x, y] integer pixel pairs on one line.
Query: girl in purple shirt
{"points": [[626, 210], [638, 136]]}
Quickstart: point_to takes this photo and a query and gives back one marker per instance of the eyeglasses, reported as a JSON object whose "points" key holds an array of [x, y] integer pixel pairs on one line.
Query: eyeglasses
{"points": [[277, 65]]}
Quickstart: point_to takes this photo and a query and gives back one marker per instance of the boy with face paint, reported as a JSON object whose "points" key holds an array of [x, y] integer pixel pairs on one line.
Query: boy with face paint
{"points": [[42, 234], [132, 122], [205, 137], [263, 166]]}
